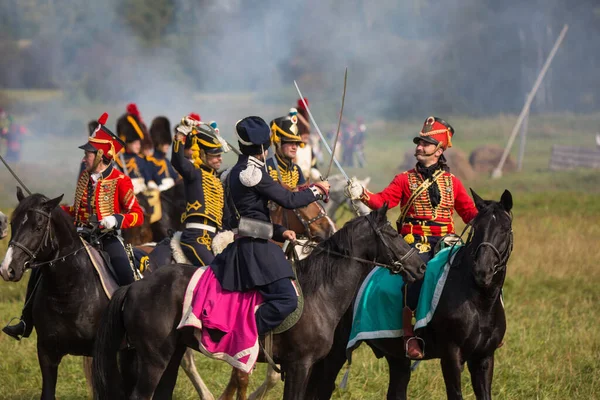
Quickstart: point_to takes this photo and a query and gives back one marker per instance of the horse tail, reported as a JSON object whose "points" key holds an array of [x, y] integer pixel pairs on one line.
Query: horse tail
{"points": [[109, 338]]}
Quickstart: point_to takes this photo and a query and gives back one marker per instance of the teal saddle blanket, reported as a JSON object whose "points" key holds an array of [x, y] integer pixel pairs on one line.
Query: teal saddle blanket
{"points": [[378, 306]]}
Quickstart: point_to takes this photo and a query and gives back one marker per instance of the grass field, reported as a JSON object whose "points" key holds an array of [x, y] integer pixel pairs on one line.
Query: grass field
{"points": [[552, 348]]}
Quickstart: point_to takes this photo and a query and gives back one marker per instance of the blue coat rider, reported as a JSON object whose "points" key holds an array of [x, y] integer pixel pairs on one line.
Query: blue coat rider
{"points": [[252, 261], [203, 189]]}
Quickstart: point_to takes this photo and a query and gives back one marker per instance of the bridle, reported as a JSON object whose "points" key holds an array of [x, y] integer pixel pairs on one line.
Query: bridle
{"points": [[47, 236], [33, 254], [397, 266], [308, 223], [502, 259]]}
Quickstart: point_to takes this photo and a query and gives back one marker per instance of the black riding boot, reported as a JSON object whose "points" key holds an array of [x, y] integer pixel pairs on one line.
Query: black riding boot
{"points": [[24, 327]]}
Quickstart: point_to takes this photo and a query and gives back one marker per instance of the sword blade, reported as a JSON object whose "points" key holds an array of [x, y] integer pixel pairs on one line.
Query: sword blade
{"points": [[15, 175], [312, 120], [337, 133]]}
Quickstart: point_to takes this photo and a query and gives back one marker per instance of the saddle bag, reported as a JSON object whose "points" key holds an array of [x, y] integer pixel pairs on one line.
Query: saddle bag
{"points": [[255, 228]]}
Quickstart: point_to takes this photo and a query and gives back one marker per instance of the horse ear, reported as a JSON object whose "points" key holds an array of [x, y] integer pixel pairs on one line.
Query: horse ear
{"points": [[365, 181], [20, 195], [506, 200], [382, 212], [479, 202], [53, 203]]}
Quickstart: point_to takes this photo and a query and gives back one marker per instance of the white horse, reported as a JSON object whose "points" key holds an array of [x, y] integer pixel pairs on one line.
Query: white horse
{"points": [[337, 198], [3, 225]]}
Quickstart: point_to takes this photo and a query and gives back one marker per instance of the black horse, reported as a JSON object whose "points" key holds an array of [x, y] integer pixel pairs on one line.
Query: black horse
{"points": [[469, 322], [69, 300], [330, 278]]}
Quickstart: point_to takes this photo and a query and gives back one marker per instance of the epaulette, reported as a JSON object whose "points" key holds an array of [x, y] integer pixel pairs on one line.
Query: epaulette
{"points": [[252, 174]]}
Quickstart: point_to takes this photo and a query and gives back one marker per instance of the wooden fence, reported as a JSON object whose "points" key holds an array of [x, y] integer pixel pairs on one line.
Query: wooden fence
{"points": [[568, 157]]}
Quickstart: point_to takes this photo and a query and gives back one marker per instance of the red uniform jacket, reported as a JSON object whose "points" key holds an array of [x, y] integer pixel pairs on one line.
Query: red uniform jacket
{"points": [[112, 195], [421, 218]]}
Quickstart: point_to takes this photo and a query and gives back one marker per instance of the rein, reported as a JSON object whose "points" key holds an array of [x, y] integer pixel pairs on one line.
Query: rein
{"points": [[47, 236], [397, 267]]}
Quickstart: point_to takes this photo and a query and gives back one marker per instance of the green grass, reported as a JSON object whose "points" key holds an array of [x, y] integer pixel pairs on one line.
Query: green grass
{"points": [[552, 348]]}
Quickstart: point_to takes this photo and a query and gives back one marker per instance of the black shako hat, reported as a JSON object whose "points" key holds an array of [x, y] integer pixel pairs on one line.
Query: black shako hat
{"points": [[254, 135]]}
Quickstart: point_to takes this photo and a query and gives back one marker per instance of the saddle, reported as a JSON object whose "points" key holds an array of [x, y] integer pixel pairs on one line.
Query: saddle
{"points": [[139, 260], [101, 263]]}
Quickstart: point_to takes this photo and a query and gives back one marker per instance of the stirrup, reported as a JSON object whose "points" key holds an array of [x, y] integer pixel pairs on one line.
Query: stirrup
{"points": [[422, 346], [8, 325]]}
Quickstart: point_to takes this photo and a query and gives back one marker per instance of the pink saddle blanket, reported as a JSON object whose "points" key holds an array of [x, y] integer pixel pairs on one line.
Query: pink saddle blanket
{"points": [[230, 316]]}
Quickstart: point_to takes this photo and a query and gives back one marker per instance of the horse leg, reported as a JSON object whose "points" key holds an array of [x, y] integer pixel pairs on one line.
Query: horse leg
{"points": [[451, 369], [296, 379], [189, 366], [324, 373], [242, 379], [49, 362], [231, 387], [127, 363], [87, 371], [482, 372], [270, 381], [152, 364], [166, 386], [399, 377]]}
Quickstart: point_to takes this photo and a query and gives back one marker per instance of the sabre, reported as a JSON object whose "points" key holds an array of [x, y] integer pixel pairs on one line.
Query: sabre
{"points": [[15, 176], [337, 134], [312, 119], [224, 143]]}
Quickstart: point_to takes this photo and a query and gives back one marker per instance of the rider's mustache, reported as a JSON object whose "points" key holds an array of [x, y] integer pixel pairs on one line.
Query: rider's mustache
{"points": [[423, 153]]}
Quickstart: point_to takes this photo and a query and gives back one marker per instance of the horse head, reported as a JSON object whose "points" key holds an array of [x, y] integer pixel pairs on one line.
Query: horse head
{"points": [[337, 198], [3, 225], [387, 246], [492, 238], [311, 221], [32, 234]]}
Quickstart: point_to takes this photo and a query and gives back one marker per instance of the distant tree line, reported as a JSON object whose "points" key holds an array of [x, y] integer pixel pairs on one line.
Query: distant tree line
{"points": [[449, 56]]}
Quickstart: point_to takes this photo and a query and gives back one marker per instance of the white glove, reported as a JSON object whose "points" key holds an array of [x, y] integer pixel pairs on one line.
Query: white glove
{"points": [[138, 185], [109, 222], [165, 184], [354, 190], [152, 185], [184, 129]]}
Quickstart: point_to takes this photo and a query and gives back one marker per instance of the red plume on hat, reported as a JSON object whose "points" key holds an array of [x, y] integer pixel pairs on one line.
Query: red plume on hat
{"points": [[133, 110], [436, 131], [195, 117], [301, 104], [103, 141]]}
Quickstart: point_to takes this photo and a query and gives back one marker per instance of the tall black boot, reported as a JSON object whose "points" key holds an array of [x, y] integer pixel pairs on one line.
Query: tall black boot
{"points": [[24, 327]]}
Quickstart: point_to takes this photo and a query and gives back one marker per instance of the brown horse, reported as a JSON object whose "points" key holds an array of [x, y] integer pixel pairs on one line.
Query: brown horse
{"points": [[143, 233], [311, 221]]}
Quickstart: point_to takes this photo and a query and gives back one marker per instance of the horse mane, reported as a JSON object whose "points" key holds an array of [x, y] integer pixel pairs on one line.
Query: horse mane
{"points": [[322, 267]]}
